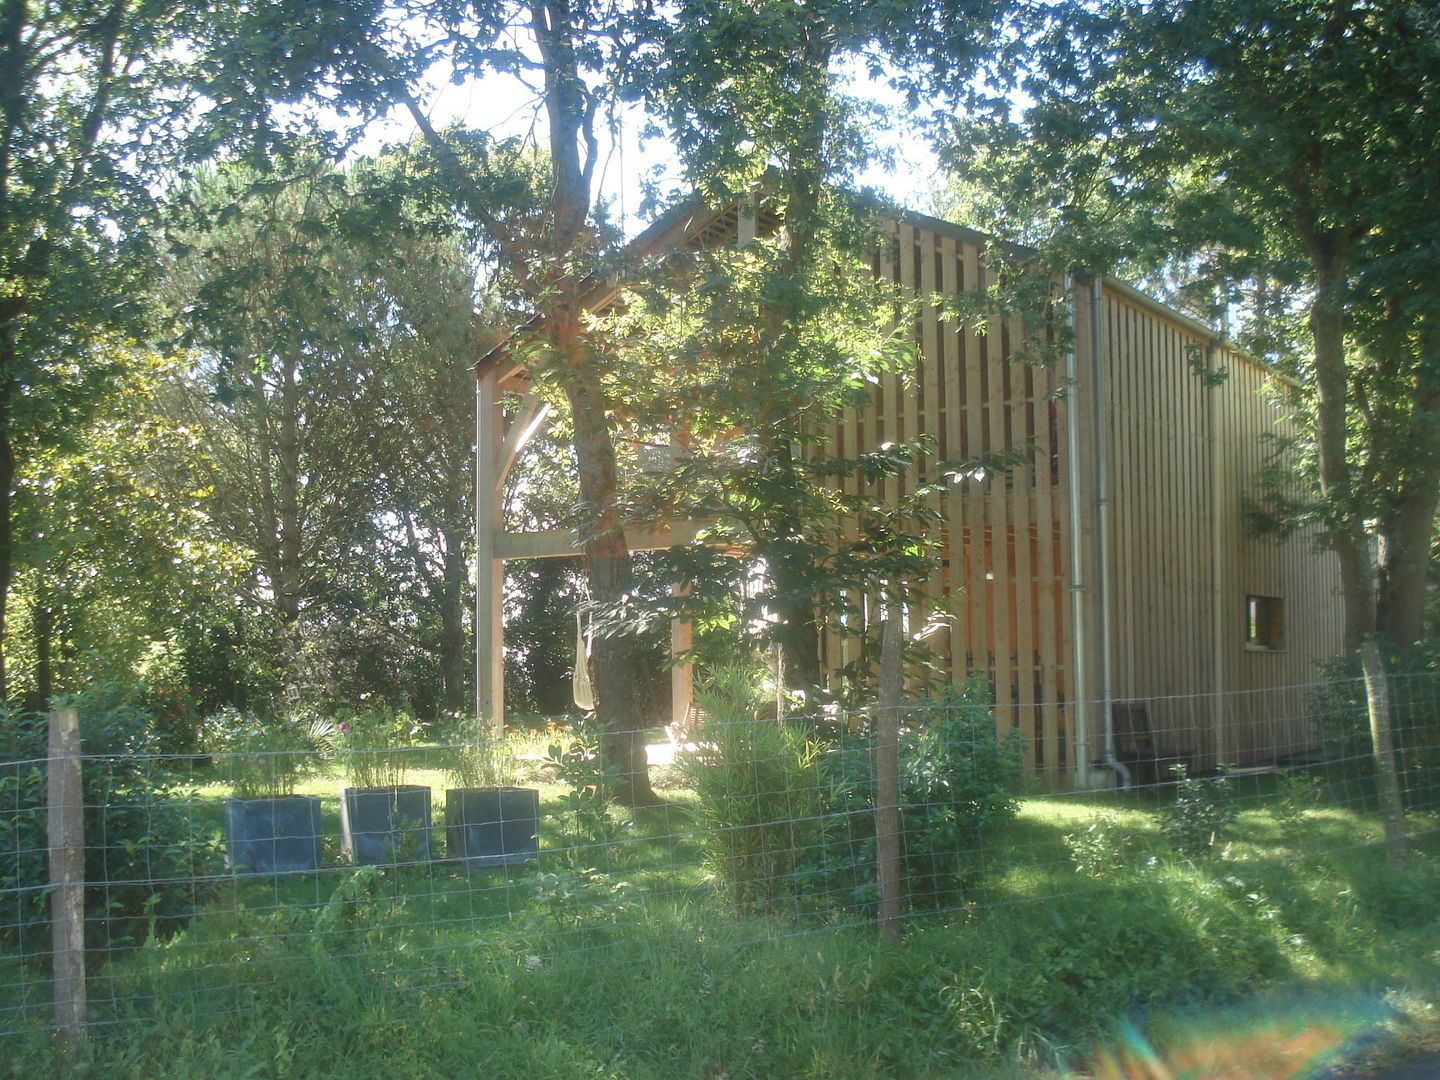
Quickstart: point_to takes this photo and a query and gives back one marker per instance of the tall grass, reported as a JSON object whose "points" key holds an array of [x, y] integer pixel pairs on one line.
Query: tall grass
{"points": [[757, 794], [1294, 922]]}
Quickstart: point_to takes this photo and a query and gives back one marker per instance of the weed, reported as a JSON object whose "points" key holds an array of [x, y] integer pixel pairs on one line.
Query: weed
{"points": [[1102, 849], [1200, 815]]}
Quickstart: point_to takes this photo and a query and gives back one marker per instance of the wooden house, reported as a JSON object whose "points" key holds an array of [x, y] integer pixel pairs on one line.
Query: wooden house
{"points": [[1111, 591]]}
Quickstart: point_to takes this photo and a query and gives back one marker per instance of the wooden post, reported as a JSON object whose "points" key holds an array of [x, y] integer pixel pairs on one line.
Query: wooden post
{"points": [[887, 779], [66, 826], [682, 675], [489, 570]]}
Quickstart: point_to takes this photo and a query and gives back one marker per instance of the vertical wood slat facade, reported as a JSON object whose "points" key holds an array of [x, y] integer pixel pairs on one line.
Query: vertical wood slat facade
{"points": [[1182, 455], [1026, 583]]}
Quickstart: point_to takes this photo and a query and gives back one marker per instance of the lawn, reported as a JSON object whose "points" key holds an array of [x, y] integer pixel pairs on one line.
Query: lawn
{"points": [[1083, 938]]}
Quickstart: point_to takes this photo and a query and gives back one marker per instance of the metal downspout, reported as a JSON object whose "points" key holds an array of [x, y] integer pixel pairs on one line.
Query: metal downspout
{"points": [[479, 554], [1079, 688], [1102, 506]]}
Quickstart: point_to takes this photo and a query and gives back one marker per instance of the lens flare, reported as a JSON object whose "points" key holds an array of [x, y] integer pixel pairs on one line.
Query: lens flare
{"points": [[1273, 1042]]}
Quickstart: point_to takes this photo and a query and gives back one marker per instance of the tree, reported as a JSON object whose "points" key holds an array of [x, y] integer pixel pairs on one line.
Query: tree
{"points": [[1282, 144], [798, 321], [1286, 142], [111, 558], [575, 51], [97, 101]]}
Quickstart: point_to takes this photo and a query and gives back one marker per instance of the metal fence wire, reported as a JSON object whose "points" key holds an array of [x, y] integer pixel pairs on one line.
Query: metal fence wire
{"points": [[191, 893]]}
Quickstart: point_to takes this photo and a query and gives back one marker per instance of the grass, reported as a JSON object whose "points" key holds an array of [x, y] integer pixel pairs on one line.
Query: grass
{"points": [[1264, 956]]}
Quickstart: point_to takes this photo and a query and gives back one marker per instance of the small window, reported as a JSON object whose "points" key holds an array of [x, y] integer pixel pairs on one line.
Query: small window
{"points": [[1264, 623]]}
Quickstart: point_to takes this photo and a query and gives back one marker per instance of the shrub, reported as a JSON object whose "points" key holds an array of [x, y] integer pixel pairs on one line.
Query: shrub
{"points": [[145, 864], [1340, 711], [579, 765], [1201, 813], [477, 754], [268, 759], [1101, 849], [956, 779], [371, 743], [757, 787]]}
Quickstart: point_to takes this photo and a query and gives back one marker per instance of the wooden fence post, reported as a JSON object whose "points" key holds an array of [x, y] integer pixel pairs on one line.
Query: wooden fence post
{"points": [[66, 828], [887, 780]]}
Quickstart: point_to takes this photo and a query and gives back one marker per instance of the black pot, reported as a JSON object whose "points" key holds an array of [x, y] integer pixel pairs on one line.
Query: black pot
{"points": [[492, 826], [386, 824], [272, 836]]}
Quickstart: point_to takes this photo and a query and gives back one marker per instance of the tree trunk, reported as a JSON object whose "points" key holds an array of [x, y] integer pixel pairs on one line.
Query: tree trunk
{"points": [[1404, 566], [287, 588], [8, 360], [1407, 529], [1377, 696], [614, 661], [1347, 531], [42, 627], [799, 630]]}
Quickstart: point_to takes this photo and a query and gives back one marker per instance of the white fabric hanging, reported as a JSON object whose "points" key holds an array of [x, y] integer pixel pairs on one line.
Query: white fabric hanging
{"points": [[580, 685]]}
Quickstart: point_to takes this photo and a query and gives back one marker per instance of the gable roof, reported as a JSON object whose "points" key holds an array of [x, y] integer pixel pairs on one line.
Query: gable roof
{"points": [[693, 224]]}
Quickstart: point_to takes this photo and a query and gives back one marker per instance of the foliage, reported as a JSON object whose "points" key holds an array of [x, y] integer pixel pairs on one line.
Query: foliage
{"points": [[957, 781], [1213, 965], [1102, 849], [1339, 708], [757, 346], [1202, 813], [589, 778], [266, 759], [372, 746], [1296, 795], [1249, 151], [146, 865], [757, 792], [477, 754], [572, 896]]}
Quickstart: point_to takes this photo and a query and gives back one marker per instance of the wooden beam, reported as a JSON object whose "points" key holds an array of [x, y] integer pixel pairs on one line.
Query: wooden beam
{"points": [[565, 543], [529, 419], [489, 570]]}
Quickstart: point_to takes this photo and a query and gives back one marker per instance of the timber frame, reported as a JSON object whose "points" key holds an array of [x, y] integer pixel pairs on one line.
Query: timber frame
{"points": [[1116, 567]]}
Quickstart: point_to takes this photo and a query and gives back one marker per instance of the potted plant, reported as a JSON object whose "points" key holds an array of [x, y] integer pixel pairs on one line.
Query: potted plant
{"points": [[489, 821], [268, 827], [382, 818]]}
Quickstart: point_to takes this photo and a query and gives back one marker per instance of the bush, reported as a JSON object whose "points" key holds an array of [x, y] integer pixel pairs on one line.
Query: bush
{"points": [[144, 864], [1200, 815], [371, 745], [268, 759], [1341, 714], [757, 785], [956, 779]]}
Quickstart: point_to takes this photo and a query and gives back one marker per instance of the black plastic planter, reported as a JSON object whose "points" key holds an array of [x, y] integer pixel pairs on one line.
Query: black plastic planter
{"points": [[272, 836], [492, 826], [385, 825]]}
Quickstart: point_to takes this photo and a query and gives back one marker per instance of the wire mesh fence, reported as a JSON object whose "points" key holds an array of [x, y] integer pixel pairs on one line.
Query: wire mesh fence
{"points": [[192, 893]]}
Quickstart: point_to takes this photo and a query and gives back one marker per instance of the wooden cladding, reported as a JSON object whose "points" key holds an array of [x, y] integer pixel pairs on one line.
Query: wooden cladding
{"points": [[996, 600], [1182, 449]]}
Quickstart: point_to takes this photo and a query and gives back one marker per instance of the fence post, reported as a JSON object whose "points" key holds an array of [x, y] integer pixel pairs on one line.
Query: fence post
{"points": [[887, 781], [66, 828]]}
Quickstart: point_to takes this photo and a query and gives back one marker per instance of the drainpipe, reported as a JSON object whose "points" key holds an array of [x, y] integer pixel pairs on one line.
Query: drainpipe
{"points": [[1102, 506], [1078, 660]]}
